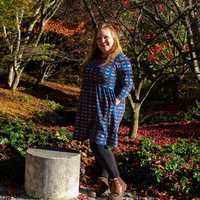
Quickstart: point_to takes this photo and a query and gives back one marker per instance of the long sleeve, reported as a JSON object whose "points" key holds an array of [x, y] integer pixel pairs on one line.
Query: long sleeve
{"points": [[125, 76]]}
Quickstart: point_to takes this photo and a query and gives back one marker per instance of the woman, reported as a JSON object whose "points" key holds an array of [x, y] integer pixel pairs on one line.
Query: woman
{"points": [[107, 81]]}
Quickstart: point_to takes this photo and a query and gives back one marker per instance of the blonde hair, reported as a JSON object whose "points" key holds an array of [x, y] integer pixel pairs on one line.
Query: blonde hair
{"points": [[96, 52]]}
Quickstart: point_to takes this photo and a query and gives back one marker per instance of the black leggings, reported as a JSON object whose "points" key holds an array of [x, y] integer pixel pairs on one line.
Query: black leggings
{"points": [[105, 161]]}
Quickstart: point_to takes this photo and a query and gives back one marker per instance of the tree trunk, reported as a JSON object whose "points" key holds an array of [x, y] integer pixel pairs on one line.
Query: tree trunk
{"points": [[176, 88], [134, 120], [11, 76], [15, 73], [16, 81], [40, 78]]}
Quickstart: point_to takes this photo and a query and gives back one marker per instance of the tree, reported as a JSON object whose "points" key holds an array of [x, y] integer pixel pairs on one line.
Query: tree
{"points": [[59, 36], [158, 36], [67, 32], [19, 20], [180, 28]]}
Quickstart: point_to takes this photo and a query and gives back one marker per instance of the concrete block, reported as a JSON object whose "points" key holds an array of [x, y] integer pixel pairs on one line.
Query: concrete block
{"points": [[52, 173]]}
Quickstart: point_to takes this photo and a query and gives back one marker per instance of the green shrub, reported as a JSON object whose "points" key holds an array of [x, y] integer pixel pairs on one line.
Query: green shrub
{"points": [[167, 167], [192, 113], [54, 105]]}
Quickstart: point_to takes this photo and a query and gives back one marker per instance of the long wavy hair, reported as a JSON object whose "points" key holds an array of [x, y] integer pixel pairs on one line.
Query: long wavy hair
{"points": [[95, 52]]}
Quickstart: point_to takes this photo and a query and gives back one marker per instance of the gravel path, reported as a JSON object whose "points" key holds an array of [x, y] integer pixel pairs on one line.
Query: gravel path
{"points": [[82, 195]]}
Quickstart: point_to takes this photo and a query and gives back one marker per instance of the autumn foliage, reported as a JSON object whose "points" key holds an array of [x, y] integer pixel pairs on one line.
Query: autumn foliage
{"points": [[64, 29]]}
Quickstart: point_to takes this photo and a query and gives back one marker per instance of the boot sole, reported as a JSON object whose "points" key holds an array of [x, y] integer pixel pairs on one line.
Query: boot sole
{"points": [[89, 193]]}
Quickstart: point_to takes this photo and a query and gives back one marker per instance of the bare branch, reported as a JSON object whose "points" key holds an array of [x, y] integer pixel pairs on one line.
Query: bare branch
{"points": [[89, 9]]}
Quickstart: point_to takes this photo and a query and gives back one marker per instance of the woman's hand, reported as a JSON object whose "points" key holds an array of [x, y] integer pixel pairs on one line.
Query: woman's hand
{"points": [[117, 102]]}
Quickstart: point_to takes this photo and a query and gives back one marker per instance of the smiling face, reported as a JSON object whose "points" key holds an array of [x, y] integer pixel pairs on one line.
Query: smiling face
{"points": [[104, 41]]}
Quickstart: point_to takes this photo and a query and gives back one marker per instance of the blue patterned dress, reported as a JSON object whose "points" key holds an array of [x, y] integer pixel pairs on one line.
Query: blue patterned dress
{"points": [[97, 117]]}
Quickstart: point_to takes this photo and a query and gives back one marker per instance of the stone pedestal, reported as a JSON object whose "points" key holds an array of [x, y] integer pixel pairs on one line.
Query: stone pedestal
{"points": [[52, 173]]}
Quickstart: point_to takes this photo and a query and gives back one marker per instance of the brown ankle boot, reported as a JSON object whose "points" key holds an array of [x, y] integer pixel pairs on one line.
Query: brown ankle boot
{"points": [[102, 188], [118, 188]]}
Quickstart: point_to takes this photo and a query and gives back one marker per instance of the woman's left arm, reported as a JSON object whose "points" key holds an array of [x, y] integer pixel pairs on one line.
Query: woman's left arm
{"points": [[125, 76]]}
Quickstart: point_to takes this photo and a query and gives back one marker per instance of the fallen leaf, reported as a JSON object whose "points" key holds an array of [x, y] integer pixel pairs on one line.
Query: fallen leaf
{"points": [[57, 134], [160, 167], [83, 154], [87, 160], [13, 192]]}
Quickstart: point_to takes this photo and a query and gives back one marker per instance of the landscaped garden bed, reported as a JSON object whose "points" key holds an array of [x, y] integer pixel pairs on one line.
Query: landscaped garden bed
{"points": [[162, 161]]}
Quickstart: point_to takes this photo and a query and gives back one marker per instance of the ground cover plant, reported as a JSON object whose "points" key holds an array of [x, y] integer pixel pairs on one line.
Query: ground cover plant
{"points": [[162, 162]]}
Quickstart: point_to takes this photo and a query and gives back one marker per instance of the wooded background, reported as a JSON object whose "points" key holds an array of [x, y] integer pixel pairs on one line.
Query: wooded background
{"points": [[51, 38]]}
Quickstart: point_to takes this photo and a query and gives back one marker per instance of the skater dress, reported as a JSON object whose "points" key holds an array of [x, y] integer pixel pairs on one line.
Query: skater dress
{"points": [[97, 117]]}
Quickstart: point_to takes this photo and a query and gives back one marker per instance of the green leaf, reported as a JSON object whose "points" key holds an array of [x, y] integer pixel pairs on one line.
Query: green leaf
{"points": [[184, 181], [132, 195], [187, 190], [19, 149]]}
